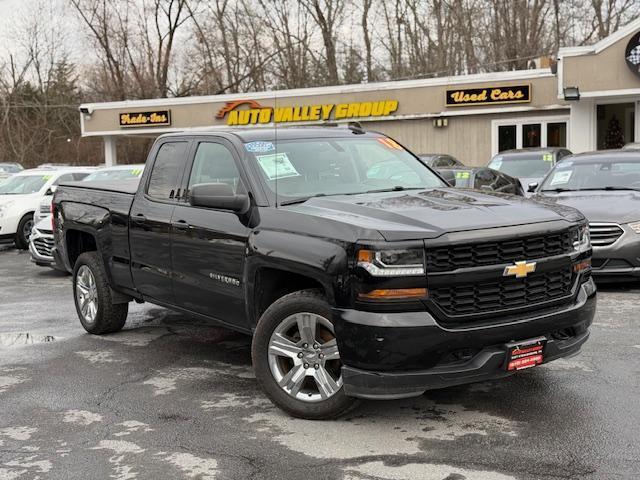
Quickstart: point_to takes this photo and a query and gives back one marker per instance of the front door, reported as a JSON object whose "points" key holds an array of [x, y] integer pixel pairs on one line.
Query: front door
{"points": [[150, 222], [209, 245]]}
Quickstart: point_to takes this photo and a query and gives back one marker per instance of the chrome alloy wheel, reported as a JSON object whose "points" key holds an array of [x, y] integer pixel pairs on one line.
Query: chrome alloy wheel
{"points": [[87, 294], [304, 357]]}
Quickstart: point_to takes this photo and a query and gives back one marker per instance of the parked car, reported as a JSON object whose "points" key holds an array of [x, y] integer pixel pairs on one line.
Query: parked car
{"points": [[439, 160], [352, 284], [605, 187], [20, 196], [8, 169], [481, 178], [41, 239], [529, 165]]}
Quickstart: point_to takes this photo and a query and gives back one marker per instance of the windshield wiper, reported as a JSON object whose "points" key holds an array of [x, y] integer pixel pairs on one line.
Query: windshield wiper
{"points": [[301, 199], [558, 190], [611, 187], [397, 188]]}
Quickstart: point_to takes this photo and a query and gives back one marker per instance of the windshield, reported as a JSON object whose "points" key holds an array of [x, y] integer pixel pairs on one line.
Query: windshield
{"points": [[333, 166], [601, 174], [8, 168], [118, 174], [23, 184], [523, 165]]}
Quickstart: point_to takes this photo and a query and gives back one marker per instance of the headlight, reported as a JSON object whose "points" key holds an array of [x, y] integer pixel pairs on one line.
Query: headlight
{"points": [[635, 226], [582, 238], [5, 206], [392, 263]]}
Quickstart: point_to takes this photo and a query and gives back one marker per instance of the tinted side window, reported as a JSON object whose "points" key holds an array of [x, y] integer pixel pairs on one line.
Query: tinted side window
{"points": [[484, 178], [167, 170], [214, 164]]}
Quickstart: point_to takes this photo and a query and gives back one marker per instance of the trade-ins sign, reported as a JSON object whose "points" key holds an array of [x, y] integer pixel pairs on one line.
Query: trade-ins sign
{"points": [[250, 112], [145, 119], [488, 95]]}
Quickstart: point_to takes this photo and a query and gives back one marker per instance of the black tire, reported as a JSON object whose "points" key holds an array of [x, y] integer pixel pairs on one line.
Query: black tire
{"points": [[22, 240], [109, 317], [311, 301]]}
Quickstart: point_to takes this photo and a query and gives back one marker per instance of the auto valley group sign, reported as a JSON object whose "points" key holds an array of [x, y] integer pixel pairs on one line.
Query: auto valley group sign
{"points": [[251, 112]]}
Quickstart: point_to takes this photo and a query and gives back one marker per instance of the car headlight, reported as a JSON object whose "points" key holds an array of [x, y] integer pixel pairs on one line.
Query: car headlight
{"points": [[392, 263], [5, 206], [635, 226], [582, 238]]}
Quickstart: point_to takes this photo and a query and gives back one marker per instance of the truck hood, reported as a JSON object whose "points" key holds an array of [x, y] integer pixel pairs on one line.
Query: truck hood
{"points": [[418, 214], [600, 205]]}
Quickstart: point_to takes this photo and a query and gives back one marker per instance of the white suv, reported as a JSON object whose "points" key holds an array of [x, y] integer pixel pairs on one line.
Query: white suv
{"points": [[20, 196]]}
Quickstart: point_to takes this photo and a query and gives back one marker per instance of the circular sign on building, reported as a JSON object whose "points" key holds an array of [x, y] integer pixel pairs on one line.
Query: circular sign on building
{"points": [[632, 54]]}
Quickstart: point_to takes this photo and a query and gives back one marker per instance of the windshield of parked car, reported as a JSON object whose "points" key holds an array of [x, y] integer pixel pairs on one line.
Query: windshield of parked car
{"points": [[114, 175], [303, 168], [597, 174], [23, 184], [525, 165], [9, 168]]}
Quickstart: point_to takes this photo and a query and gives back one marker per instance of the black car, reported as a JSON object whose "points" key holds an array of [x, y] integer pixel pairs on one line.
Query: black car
{"points": [[439, 160], [529, 165], [354, 279], [481, 178], [605, 187]]}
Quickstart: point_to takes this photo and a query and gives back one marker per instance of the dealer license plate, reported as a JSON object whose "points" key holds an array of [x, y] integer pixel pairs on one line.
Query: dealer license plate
{"points": [[525, 354]]}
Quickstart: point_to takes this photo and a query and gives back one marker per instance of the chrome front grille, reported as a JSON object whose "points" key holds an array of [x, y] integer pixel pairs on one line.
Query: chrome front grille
{"points": [[43, 246], [604, 234]]}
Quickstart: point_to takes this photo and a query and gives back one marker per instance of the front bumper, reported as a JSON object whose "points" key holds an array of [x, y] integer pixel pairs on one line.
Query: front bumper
{"points": [[399, 355], [40, 245], [619, 261]]}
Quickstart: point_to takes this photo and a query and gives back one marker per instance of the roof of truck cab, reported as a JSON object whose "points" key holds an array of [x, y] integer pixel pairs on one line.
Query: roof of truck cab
{"points": [[282, 133]]}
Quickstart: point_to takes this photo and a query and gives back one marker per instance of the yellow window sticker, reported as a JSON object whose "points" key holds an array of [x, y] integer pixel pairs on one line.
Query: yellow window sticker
{"points": [[136, 171], [547, 157], [277, 165], [463, 175], [46, 178]]}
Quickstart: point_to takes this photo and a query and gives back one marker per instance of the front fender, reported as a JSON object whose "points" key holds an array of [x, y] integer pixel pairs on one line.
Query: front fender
{"points": [[323, 260]]}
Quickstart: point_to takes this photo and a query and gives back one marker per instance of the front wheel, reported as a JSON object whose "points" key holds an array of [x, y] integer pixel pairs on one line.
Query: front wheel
{"points": [[24, 231], [93, 298], [296, 359]]}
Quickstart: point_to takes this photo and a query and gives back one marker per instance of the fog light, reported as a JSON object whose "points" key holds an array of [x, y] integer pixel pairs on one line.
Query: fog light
{"points": [[582, 266]]}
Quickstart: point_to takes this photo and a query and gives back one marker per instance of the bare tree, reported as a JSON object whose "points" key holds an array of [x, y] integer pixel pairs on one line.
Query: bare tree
{"points": [[327, 15]]}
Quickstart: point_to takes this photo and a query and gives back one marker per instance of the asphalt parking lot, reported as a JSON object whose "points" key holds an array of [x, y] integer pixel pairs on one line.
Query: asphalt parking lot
{"points": [[169, 399]]}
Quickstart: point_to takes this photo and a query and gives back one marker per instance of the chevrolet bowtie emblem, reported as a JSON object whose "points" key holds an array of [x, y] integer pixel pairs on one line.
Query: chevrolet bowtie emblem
{"points": [[520, 269]]}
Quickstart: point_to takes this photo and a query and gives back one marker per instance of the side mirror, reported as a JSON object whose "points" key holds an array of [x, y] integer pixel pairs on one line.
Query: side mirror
{"points": [[51, 190], [532, 187], [220, 196]]}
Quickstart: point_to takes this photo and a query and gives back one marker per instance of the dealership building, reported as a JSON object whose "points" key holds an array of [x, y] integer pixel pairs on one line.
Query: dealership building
{"points": [[588, 100]]}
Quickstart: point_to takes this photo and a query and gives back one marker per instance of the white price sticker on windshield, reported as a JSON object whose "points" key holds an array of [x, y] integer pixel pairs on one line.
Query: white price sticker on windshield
{"points": [[561, 177], [277, 165]]}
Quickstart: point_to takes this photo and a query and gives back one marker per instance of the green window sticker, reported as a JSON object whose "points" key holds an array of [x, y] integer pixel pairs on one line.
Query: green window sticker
{"points": [[46, 178], [136, 172], [277, 165], [547, 157], [463, 175]]}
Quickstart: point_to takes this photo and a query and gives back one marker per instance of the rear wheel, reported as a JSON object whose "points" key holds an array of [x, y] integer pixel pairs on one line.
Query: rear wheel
{"points": [[93, 297], [24, 231], [296, 358]]}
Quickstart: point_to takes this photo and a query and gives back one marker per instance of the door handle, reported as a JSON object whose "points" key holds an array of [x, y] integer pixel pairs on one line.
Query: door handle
{"points": [[181, 225], [139, 218]]}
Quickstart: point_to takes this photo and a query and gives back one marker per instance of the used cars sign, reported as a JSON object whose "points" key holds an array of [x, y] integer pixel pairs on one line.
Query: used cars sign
{"points": [[489, 95]]}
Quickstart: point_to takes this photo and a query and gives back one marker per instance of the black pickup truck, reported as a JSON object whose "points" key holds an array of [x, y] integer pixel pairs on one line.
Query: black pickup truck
{"points": [[356, 269]]}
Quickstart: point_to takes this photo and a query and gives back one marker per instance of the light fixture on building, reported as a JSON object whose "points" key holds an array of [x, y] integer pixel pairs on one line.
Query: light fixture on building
{"points": [[86, 111], [440, 122], [571, 94]]}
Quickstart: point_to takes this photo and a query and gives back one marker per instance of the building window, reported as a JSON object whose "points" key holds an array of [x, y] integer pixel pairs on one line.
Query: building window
{"points": [[506, 137], [531, 132], [531, 135], [557, 134]]}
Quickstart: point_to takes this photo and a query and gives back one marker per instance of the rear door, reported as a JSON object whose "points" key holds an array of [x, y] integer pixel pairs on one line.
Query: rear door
{"points": [[209, 245], [150, 220]]}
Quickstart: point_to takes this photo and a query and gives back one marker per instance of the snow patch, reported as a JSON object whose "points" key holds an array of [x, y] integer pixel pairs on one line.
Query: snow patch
{"points": [[81, 417], [132, 426], [100, 357], [18, 433], [423, 471], [194, 467]]}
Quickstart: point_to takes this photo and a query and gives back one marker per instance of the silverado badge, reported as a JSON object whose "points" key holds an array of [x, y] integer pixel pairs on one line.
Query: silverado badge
{"points": [[520, 269]]}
